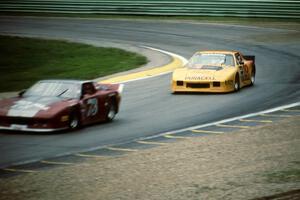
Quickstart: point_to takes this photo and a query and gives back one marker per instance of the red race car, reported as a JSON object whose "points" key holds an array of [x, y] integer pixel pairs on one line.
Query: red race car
{"points": [[52, 105]]}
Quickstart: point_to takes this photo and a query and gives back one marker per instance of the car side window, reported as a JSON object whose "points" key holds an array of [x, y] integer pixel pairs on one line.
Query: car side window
{"points": [[238, 59], [88, 88], [229, 60]]}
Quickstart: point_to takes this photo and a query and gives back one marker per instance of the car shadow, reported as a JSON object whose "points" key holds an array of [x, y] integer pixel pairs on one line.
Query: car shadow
{"points": [[200, 93], [59, 132]]}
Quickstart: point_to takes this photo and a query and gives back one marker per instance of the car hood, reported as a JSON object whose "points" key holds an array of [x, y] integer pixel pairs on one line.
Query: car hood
{"points": [[205, 74], [30, 106]]}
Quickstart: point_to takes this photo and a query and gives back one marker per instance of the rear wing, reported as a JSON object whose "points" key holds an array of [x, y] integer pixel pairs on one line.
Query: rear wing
{"points": [[106, 86], [248, 57]]}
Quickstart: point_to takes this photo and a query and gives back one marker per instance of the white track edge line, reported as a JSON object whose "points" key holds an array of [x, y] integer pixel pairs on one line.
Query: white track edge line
{"points": [[183, 60], [155, 136], [226, 120]]}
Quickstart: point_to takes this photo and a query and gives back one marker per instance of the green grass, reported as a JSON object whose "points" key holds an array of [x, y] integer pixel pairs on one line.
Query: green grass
{"points": [[23, 61], [223, 19]]}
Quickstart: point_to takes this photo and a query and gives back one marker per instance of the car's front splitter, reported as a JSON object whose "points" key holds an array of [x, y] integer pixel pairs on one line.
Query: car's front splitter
{"points": [[23, 128]]}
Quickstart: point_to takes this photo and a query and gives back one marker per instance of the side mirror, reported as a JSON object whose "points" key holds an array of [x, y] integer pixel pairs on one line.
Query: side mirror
{"points": [[242, 63], [21, 93]]}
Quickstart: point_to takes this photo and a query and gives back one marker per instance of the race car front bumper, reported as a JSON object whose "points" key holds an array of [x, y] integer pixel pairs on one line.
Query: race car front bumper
{"points": [[17, 127], [213, 86]]}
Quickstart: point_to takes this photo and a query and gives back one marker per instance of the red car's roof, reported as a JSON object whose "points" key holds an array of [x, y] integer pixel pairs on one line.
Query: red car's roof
{"points": [[65, 81]]}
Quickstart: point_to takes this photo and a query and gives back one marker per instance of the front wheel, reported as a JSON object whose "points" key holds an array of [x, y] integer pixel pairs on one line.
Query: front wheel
{"points": [[237, 83], [74, 121]]}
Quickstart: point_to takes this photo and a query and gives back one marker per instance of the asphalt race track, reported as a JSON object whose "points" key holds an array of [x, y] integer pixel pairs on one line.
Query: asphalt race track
{"points": [[148, 107]]}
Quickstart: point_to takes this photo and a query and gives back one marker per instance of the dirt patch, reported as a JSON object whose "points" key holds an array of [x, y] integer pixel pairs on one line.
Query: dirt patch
{"points": [[240, 165]]}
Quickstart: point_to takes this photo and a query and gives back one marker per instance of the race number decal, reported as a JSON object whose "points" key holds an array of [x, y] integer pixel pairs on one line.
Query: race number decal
{"points": [[92, 107]]}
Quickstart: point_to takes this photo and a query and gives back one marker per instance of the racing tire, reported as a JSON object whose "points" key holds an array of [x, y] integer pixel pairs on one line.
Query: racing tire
{"points": [[111, 113], [74, 122], [237, 83], [252, 78]]}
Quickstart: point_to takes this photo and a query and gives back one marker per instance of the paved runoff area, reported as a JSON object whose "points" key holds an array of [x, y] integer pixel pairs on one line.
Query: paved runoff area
{"points": [[247, 163]]}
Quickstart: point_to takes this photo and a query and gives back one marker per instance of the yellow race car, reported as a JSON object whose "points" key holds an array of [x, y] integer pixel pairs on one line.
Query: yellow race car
{"points": [[215, 71]]}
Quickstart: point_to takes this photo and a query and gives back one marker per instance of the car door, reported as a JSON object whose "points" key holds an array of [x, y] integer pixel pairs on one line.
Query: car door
{"points": [[243, 69], [92, 105]]}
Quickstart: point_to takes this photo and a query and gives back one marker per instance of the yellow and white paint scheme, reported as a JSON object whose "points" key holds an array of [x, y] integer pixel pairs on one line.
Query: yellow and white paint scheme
{"points": [[215, 75]]}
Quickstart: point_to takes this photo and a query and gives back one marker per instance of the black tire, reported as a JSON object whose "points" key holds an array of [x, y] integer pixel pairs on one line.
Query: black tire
{"points": [[111, 111], [252, 78], [74, 122], [237, 84]]}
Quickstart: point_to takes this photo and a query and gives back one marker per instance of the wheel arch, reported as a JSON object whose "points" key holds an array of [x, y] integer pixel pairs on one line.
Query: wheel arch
{"points": [[75, 109], [113, 99], [237, 78], [253, 69]]}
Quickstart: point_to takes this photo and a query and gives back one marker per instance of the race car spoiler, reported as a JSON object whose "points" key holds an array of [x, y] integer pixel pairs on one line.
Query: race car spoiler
{"points": [[248, 57]]}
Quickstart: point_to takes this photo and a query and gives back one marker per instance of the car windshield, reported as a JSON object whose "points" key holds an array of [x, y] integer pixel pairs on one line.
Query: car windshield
{"points": [[54, 89], [210, 59]]}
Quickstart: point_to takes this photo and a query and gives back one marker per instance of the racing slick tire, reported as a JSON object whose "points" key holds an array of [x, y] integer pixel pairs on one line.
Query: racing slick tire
{"points": [[74, 122], [252, 78], [237, 83], [111, 112]]}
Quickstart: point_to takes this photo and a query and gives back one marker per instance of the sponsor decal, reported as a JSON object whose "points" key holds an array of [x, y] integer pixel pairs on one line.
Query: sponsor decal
{"points": [[64, 118], [18, 127], [200, 78]]}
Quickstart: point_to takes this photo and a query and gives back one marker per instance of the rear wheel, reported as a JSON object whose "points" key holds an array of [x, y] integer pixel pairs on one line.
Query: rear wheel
{"points": [[252, 78], [112, 111], [237, 83]]}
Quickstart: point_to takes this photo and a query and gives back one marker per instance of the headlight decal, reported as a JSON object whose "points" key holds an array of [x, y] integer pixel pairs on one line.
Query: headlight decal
{"points": [[64, 118]]}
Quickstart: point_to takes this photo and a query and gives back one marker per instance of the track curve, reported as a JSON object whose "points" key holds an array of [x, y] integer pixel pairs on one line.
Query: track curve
{"points": [[148, 107]]}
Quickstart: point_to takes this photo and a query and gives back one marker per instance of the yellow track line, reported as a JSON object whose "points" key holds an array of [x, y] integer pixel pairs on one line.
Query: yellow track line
{"points": [[19, 170], [270, 115], [147, 142], [174, 137], [55, 163], [151, 72], [121, 149], [254, 120], [232, 126], [205, 131], [89, 155]]}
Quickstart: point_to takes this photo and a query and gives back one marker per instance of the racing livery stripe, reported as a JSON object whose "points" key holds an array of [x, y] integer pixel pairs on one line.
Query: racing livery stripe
{"points": [[30, 106]]}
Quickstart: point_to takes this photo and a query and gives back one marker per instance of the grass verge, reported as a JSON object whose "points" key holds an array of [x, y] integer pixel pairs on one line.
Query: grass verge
{"points": [[155, 17], [23, 61]]}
